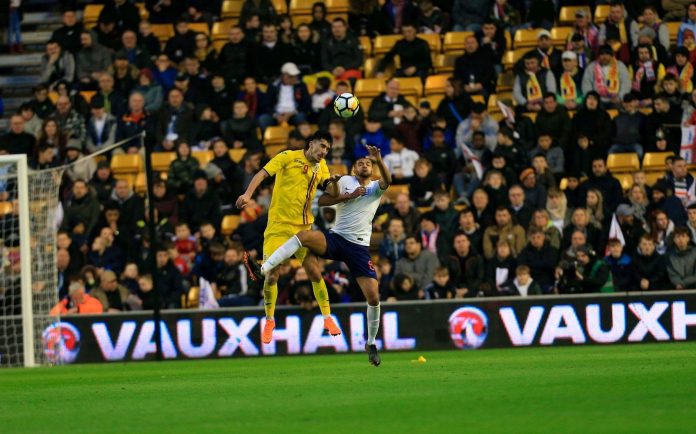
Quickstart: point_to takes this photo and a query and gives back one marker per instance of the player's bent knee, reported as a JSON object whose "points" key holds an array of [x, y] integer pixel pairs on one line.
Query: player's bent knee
{"points": [[304, 237]]}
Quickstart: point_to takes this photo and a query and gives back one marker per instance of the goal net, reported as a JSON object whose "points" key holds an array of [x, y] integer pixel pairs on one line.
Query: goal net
{"points": [[29, 201]]}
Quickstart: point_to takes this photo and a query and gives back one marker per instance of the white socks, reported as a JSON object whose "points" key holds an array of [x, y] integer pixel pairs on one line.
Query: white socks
{"points": [[372, 323], [282, 254]]}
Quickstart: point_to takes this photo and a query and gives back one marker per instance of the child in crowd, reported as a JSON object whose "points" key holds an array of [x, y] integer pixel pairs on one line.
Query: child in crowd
{"points": [[441, 287], [524, 284], [424, 184]]}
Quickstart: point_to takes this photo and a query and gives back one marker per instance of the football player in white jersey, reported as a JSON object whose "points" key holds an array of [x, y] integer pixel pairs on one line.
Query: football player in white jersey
{"points": [[349, 239]]}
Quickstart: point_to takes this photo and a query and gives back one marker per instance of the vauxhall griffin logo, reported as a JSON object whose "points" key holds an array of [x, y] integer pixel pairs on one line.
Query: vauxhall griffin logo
{"points": [[468, 327], [61, 342]]}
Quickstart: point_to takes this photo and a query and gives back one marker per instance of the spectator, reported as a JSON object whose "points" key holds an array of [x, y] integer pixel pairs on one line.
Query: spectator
{"points": [[16, 140], [521, 213], [78, 302], [441, 286], [182, 44], [373, 135], [594, 124], [270, 55], [541, 258], [532, 83], [149, 42], [548, 56], [404, 289], [176, 117], [289, 98], [691, 224], [70, 122], [408, 214], [44, 158], [553, 120], [475, 69], [395, 14], [552, 156], [101, 126], [263, 9], [441, 156], [81, 211], [602, 180], [650, 20], [235, 60], [468, 226], [414, 53], [91, 61], [662, 124], [592, 274], [681, 261], [431, 19], [209, 262], [689, 16], [343, 147], [648, 266], [534, 193], [524, 284], [103, 181], [169, 279], [69, 34], [618, 28], [504, 15], [504, 229], [647, 72], [499, 270], [388, 107], [680, 180], [107, 33], [111, 294], [621, 266], [77, 167], [125, 75], [32, 122], [182, 170], [125, 14], [492, 37], [466, 267], [445, 214], [584, 27], [478, 121], [341, 53], [56, 65], [104, 256], [418, 264], [240, 130], [570, 93], [469, 15], [578, 46], [134, 123], [631, 228], [433, 238], [131, 205], [423, 184], [136, 55], [232, 281], [151, 91], [580, 221], [392, 245], [456, 104], [319, 24], [307, 49], [400, 161], [661, 230], [164, 72], [608, 77], [200, 204]]}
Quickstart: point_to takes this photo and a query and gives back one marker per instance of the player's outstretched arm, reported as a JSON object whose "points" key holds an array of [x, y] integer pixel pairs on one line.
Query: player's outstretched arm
{"points": [[328, 200], [244, 199], [385, 178]]}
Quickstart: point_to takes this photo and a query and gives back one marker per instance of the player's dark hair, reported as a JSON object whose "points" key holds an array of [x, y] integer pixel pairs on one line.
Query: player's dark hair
{"points": [[319, 135]]}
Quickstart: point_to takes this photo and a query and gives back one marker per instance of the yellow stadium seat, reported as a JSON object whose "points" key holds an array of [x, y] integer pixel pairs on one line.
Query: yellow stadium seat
{"points": [[563, 184], [221, 30], [332, 16], [412, 100], [229, 224], [623, 162], [625, 179], [505, 81], [436, 83], [276, 135], [162, 160], [163, 31], [493, 104], [219, 44], [301, 11], [5, 208], [88, 94], [444, 63], [53, 96], [384, 43], [396, 189], [513, 56], [126, 164], [433, 40], [280, 6], [655, 161], [140, 186], [567, 15], [337, 6], [128, 177], [237, 155], [526, 38], [203, 157], [273, 150], [673, 28], [366, 45], [369, 87], [199, 28], [338, 169], [232, 8], [370, 67], [434, 100], [612, 113], [365, 104], [144, 13], [91, 13], [411, 86], [192, 299], [423, 209], [454, 42], [601, 14], [652, 177], [560, 35]]}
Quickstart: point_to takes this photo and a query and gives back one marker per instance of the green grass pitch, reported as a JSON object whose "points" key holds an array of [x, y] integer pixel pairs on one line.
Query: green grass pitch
{"points": [[617, 389]]}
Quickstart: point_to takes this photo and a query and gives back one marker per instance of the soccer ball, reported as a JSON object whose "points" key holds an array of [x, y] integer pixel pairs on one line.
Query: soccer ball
{"points": [[346, 105]]}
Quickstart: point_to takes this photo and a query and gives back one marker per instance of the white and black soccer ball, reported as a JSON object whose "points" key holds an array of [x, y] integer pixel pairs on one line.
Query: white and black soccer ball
{"points": [[346, 105]]}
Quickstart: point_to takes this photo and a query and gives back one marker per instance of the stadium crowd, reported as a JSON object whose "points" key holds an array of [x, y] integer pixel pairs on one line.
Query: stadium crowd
{"points": [[489, 200]]}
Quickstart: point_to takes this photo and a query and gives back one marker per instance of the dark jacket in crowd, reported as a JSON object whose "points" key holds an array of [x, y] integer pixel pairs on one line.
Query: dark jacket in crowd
{"points": [[556, 124], [478, 65], [541, 262], [411, 53], [198, 209], [268, 61], [84, 211], [467, 272], [653, 268], [169, 282], [622, 272], [346, 53], [236, 61]]}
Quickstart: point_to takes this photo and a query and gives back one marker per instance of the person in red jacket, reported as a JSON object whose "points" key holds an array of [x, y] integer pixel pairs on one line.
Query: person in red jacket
{"points": [[78, 302]]}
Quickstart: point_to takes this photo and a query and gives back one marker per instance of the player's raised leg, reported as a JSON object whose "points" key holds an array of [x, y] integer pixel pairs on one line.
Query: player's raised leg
{"points": [[370, 288]]}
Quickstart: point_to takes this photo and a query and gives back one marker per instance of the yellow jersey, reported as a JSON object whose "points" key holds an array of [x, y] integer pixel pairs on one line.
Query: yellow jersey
{"points": [[295, 185]]}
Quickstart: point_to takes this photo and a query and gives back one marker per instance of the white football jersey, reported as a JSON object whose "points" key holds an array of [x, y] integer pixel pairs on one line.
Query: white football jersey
{"points": [[354, 217]]}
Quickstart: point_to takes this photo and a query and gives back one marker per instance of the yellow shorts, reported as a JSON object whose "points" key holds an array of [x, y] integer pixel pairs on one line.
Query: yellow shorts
{"points": [[276, 235]]}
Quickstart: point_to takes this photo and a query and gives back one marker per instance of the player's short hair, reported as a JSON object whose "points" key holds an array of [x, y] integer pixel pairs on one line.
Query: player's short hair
{"points": [[319, 135]]}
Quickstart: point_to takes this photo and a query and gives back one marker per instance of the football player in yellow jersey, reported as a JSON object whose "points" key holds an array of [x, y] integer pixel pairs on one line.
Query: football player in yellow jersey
{"points": [[298, 175]]}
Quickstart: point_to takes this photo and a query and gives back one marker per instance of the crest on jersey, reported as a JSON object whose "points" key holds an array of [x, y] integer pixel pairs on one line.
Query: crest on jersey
{"points": [[468, 327]]}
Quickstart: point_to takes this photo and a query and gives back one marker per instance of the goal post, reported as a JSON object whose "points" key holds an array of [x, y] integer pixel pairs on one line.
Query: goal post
{"points": [[25, 257]]}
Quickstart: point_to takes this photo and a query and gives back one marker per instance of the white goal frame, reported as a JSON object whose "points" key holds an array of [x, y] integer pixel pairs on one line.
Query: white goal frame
{"points": [[25, 256]]}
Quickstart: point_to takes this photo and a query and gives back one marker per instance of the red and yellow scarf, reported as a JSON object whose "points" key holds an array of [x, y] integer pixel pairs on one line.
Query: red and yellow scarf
{"points": [[608, 87], [534, 92], [685, 76], [569, 90]]}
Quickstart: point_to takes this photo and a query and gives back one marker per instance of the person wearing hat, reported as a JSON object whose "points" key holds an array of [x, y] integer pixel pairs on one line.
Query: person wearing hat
{"points": [[101, 126], [289, 98], [647, 72], [84, 169], [617, 31], [550, 56], [583, 26], [110, 293], [570, 82], [532, 83], [582, 52], [608, 77], [651, 20], [534, 192], [413, 52]]}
